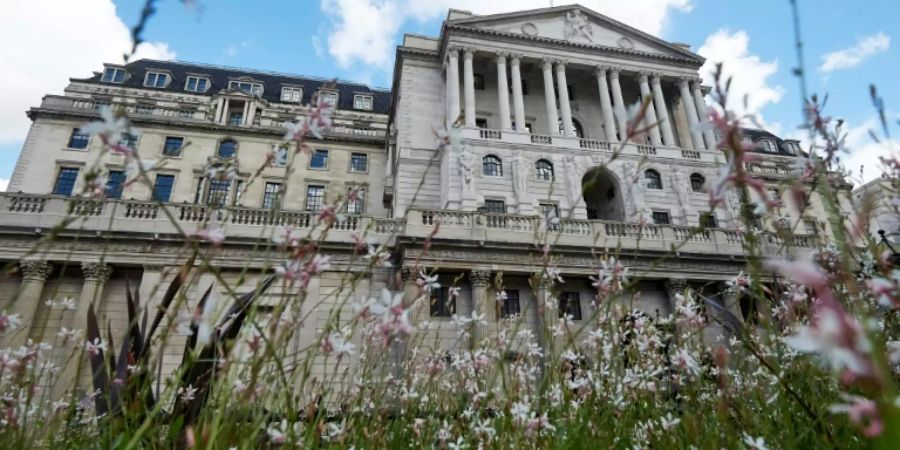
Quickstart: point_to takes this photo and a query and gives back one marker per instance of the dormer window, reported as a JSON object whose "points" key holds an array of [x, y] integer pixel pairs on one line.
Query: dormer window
{"points": [[291, 94], [113, 75], [196, 84], [329, 98], [156, 80], [363, 102], [792, 147], [768, 145], [246, 86]]}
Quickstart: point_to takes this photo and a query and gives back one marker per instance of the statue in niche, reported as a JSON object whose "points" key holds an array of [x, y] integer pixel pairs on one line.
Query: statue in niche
{"points": [[573, 178], [577, 27], [634, 191], [681, 194], [520, 174], [467, 162]]}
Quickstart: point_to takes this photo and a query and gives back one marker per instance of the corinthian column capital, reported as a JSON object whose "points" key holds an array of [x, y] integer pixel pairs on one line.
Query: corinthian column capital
{"points": [[35, 270], [98, 272], [480, 278]]}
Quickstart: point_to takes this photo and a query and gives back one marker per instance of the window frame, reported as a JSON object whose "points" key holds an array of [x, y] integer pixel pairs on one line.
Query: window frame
{"points": [[272, 199], [321, 198], [315, 154], [573, 300], [290, 98], [58, 180], [371, 100], [493, 161], [768, 145], [329, 93], [702, 182], [234, 150], [197, 79], [113, 79], [156, 185], [653, 180], [254, 86], [77, 131], [667, 215], [360, 203], [165, 146], [157, 74], [512, 305], [365, 158], [496, 203], [115, 184], [704, 218], [538, 170], [440, 303], [129, 140]]}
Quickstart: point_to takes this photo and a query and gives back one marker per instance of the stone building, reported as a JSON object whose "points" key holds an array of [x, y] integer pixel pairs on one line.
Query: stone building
{"points": [[541, 101]]}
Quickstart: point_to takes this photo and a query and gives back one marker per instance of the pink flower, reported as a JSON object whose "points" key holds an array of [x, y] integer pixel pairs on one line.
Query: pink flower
{"points": [[214, 235], [95, 347], [863, 412]]}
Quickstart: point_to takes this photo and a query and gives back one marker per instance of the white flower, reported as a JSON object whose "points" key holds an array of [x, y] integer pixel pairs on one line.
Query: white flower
{"points": [[9, 321], [668, 422], [112, 128], [214, 234], [134, 166], [187, 393], [426, 282], [753, 443], [337, 345], [94, 347]]}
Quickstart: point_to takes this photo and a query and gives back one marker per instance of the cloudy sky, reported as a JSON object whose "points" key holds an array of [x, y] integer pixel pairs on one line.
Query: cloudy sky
{"points": [[848, 45]]}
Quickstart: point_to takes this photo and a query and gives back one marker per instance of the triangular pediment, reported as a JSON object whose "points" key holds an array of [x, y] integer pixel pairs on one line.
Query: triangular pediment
{"points": [[577, 25]]}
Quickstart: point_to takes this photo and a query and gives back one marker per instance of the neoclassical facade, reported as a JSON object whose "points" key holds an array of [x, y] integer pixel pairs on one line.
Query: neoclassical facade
{"points": [[538, 103]]}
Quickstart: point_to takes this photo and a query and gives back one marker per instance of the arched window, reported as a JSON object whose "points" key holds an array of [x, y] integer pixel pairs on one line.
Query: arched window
{"points": [[653, 180], [491, 166], [227, 149], [543, 170], [579, 130], [698, 182]]}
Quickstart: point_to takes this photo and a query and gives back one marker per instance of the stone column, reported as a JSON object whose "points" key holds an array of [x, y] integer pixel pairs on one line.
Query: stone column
{"points": [[518, 99], [650, 115], [700, 104], [662, 113], [564, 106], [550, 98], [503, 92], [618, 104], [34, 275], [245, 118], [399, 346], [675, 286], [606, 105], [690, 110], [95, 276], [452, 85], [480, 280], [469, 86]]}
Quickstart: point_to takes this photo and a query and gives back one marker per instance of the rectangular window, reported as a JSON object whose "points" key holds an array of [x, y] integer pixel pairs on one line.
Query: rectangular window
{"points": [[708, 220], [356, 204], [162, 188], [78, 139], [173, 146], [113, 75], [315, 197], [363, 102], [481, 122], [196, 84], [570, 305], [115, 183], [319, 159], [510, 306], [661, 218], [236, 119], [156, 80], [479, 81], [495, 206], [186, 113], [218, 192], [250, 88], [549, 210], [291, 94], [811, 226], [65, 181], [129, 140], [272, 196], [359, 162], [441, 303]]}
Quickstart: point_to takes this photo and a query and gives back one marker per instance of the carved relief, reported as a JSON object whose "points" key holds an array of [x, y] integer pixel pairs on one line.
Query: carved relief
{"points": [[467, 161], [572, 178], [577, 27], [634, 192], [529, 29], [681, 194]]}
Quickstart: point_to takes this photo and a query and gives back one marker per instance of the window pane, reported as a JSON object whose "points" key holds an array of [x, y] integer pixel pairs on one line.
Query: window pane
{"points": [[491, 166], [660, 218], [129, 140], [441, 304], [652, 179], [698, 183], [65, 181], [218, 192], [162, 189], [173, 146], [319, 159], [115, 183], [356, 203], [270, 196], [570, 305], [510, 306], [544, 170], [315, 196], [359, 162], [191, 84], [78, 139], [495, 206], [227, 149]]}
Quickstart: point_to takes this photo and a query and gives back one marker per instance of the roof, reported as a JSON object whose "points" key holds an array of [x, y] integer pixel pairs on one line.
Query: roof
{"points": [[219, 77], [757, 135]]}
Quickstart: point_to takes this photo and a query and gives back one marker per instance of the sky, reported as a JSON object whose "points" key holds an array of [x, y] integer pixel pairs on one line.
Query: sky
{"points": [[847, 47]]}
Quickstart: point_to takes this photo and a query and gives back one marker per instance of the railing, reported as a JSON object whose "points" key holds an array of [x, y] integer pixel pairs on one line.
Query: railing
{"points": [[690, 154], [490, 134], [592, 144], [647, 150], [23, 204], [541, 139]]}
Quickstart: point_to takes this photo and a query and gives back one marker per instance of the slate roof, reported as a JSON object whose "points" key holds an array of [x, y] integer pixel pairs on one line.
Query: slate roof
{"points": [[757, 135], [220, 76]]}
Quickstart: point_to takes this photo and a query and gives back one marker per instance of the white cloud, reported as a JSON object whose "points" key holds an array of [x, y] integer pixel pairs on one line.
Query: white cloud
{"points": [[749, 73], [864, 153], [153, 50], [3, 184], [365, 31], [44, 42], [852, 56]]}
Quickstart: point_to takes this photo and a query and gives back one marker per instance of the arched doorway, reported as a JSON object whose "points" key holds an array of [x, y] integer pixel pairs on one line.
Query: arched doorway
{"points": [[602, 195]]}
